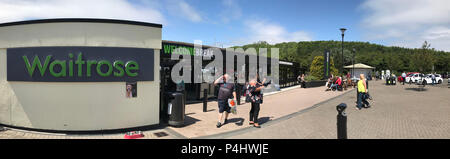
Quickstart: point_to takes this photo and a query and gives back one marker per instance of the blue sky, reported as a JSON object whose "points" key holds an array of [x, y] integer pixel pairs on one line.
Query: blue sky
{"points": [[405, 23], [319, 21]]}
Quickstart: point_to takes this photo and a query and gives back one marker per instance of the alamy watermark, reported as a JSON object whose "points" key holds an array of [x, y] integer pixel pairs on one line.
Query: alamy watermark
{"points": [[182, 71]]}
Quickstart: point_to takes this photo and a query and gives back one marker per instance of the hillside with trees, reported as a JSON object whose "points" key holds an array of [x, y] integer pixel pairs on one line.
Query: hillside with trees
{"points": [[396, 59]]}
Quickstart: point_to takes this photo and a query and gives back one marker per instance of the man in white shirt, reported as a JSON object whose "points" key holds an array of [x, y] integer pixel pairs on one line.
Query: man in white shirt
{"points": [[403, 77]]}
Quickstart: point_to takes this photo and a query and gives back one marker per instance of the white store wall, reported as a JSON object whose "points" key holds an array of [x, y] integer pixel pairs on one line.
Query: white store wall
{"points": [[78, 106]]}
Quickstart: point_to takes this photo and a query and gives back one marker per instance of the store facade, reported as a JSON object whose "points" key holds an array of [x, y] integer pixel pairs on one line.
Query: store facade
{"points": [[98, 74], [79, 74]]}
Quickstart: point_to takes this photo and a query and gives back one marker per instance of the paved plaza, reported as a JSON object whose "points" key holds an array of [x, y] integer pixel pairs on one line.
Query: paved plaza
{"points": [[399, 111]]}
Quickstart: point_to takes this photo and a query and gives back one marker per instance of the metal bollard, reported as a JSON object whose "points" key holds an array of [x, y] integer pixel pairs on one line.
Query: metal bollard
{"points": [[341, 121], [205, 100], [238, 94]]}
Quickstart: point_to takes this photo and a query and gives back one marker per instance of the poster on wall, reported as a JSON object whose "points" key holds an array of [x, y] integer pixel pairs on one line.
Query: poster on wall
{"points": [[131, 89]]}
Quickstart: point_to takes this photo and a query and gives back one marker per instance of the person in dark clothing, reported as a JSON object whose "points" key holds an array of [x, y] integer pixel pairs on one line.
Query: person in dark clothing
{"points": [[301, 79], [254, 96], [227, 91]]}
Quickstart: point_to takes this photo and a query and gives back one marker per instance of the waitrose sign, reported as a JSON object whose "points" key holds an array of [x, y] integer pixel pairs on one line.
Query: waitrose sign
{"points": [[80, 64]]}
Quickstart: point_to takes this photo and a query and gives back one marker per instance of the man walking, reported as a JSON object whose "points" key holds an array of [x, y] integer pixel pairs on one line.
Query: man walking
{"points": [[433, 79], [227, 91], [377, 75]]}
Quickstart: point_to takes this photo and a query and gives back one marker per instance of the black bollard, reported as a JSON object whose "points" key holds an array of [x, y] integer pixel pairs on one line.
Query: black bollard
{"points": [[341, 121], [205, 100], [238, 94]]}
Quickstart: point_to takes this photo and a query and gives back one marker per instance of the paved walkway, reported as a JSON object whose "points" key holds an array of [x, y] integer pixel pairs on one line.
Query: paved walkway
{"points": [[201, 124], [22, 134], [398, 112]]}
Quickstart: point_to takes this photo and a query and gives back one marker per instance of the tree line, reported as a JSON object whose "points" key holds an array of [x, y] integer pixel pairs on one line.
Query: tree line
{"points": [[396, 59]]}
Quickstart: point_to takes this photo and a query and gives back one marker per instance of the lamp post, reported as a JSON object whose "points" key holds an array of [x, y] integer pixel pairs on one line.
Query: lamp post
{"points": [[353, 62], [342, 56]]}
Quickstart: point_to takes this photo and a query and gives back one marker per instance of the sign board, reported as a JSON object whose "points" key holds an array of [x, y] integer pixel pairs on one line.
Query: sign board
{"points": [[80, 64], [326, 64], [172, 48]]}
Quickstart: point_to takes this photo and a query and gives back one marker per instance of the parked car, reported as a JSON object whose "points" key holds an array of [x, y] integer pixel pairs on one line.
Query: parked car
{"points": [[427, 79], [413, 78], [411, 73], [408, 78]]}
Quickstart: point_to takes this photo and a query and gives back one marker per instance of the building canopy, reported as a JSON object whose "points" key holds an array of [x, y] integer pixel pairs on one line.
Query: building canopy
{"points": [[359, 66]]}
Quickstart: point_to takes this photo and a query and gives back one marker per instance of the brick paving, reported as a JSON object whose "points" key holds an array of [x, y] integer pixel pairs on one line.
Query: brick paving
{"points": [[21, 134], [398, 112], [199, 123]]}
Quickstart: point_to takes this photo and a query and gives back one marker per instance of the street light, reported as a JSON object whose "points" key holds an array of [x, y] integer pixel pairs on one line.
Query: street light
{"points": [[342, 62], [353, 62]]}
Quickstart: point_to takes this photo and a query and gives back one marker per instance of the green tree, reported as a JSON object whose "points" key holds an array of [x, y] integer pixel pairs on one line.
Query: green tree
{"points": [[317, 69], [423, 60], [382, 57]]}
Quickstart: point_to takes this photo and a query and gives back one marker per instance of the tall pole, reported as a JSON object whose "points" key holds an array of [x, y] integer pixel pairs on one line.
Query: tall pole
{"points": [[353, 62], [342, 54], [342, 57]]}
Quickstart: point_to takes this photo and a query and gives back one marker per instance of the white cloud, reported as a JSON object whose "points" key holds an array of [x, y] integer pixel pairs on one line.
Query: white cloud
{"points": [[272, 33], [16, 10], [408, 23], [182, 9], [230, 11]]}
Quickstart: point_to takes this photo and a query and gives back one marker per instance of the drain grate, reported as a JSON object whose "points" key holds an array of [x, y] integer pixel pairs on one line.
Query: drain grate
{"points": [[160, 134]]}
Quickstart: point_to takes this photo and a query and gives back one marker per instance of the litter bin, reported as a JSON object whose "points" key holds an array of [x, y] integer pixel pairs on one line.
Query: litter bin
{"points": [[176, 108]]}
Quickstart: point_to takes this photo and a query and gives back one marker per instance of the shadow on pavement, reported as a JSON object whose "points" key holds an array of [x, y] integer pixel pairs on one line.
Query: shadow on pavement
{"points": [[417, 89], [195, 113], [237, 121], [264, 120], [189, 121], [210, 110]]}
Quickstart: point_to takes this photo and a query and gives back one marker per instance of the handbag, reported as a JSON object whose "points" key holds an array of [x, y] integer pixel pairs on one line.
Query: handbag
{"points": [[248, 95], [367, 96]]}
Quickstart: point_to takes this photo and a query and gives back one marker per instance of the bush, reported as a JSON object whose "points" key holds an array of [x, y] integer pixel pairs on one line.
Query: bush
{"points": [[316, 68], [311, 78]]}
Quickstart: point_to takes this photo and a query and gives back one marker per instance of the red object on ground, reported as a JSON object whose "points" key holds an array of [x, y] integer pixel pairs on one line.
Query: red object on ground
{"points": [[133, 136]]}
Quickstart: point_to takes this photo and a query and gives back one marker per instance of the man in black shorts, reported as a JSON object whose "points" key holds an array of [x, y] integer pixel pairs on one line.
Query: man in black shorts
{"points": [[226, 91]]}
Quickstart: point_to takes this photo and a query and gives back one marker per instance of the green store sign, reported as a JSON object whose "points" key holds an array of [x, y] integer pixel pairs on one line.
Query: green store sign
{"points": [[80, 64], [169, 49]]}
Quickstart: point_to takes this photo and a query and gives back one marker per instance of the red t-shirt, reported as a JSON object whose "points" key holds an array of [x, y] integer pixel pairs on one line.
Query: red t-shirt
{"points": [[338, 81]]}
